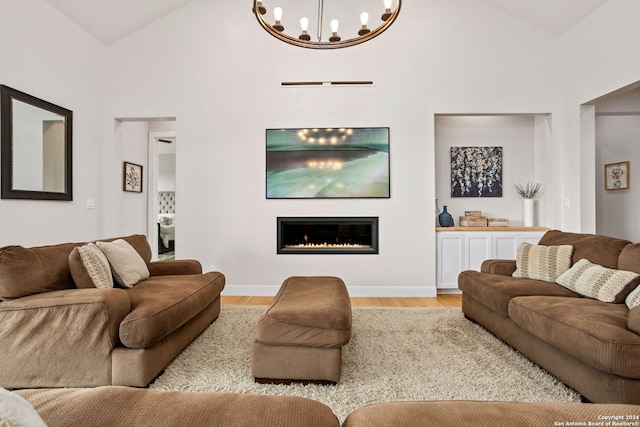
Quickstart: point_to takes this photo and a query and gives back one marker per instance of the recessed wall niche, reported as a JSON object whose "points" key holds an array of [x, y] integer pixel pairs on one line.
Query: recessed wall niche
{"points": [[524, 139]]}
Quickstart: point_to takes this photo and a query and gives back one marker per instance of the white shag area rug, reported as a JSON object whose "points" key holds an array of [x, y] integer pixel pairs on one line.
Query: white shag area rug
{"points": [[395, 354]]}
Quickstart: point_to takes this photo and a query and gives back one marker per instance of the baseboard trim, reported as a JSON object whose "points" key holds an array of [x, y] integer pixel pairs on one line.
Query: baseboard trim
{"points": [[354, 291]]}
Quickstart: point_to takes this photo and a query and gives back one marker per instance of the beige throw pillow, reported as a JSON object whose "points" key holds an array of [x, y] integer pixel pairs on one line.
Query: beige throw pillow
{"points": [[598, 282], [542, 262], [90, 267], [127, 265], [633, 300]]}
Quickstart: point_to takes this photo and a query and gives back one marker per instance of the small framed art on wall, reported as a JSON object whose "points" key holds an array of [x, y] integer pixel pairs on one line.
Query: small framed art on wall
{"points": [[616, 176], [132, 177]]}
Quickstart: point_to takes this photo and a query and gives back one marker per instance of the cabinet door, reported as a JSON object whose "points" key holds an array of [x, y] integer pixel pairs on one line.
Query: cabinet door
{"points": [[505, 245], [449, 259], [478, 249]]}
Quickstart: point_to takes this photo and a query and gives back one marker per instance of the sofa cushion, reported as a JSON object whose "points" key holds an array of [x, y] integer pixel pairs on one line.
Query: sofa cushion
{"points": [[496, 291], [633, 321], [495, 414], [127, 265], [600, 250], [90, 267], [542, 262], [629, 258], [601, 283], [128, 406], [162, 304], [592, 331]]}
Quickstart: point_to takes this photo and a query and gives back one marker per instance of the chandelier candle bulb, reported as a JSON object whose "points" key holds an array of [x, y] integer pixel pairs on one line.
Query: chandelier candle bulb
{"points": [[334, 30], [387, 10], [277, 13], [261, 9], [364, 20], [304, 24]]}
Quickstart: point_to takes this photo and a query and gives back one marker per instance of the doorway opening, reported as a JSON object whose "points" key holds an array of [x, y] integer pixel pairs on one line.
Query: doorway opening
{"points": [[162, 193]]}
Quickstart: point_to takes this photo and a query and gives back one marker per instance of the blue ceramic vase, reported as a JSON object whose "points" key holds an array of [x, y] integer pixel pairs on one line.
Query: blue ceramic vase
{"points": [[445, 218]]}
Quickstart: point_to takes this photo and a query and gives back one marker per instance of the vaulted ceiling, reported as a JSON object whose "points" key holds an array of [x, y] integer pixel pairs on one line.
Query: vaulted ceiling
{"points": [[111, 20]]}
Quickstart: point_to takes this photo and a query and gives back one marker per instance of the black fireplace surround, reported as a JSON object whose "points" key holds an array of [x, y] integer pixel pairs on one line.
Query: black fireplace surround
{"points": [[327, 235]]}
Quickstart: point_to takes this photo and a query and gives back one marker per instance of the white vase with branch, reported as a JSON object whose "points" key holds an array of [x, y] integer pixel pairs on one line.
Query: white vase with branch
{"points": [[528, 193]]}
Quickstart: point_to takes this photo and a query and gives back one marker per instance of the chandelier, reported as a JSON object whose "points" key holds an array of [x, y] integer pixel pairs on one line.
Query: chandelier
{"points": [[295, 11]]}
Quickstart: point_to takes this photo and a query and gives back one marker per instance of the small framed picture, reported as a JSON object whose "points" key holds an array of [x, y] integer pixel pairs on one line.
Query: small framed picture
{"points": [[616, 176], [132, 177]]}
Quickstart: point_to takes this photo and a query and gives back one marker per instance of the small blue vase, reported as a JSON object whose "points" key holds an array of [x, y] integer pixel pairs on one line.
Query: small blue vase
{"points": [[445, 218]]}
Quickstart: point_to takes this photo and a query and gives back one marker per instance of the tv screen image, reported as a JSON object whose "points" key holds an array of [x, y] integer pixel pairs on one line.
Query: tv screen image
{"points": [[328, 163]]}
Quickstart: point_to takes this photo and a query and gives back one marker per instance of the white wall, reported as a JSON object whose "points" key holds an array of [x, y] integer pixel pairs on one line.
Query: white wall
{"points": [[617, 210], [222, 83], [517, 137], [595, 62], [47, 56], [128, 210]]}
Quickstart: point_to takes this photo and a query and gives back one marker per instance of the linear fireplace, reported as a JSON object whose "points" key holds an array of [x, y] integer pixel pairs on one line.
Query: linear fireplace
{"points": [[327, 235]]}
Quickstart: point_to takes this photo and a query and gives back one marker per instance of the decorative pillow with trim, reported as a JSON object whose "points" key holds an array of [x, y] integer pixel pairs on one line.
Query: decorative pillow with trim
{"points": [[127, 265], [633, 299], [541, 262], [15, 411], [598, 282], [90, 267]]}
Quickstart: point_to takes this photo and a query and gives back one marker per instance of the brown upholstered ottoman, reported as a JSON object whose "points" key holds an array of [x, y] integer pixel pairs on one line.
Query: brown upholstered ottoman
{"points": [[300, 336]]}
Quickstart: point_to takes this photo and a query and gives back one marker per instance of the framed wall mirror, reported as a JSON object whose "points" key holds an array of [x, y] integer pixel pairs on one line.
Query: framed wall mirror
{"points": [[36, 141]]}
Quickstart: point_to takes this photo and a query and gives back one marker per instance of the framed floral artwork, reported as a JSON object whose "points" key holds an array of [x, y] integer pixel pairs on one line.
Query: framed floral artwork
{"points": [[132, 177], [476, 171], [616, 176]]}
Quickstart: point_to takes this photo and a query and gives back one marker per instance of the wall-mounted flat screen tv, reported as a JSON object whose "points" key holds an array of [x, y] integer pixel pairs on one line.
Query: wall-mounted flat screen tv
{"points": [[328, 163]]}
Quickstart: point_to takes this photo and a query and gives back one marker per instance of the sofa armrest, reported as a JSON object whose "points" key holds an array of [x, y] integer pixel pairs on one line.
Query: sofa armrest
{"points": [[633, 321], [172, 267], [61, 337], [502, 267]]}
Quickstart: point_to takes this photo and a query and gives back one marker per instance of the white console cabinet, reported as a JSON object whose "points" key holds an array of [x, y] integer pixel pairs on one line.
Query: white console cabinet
{"points": [[465, 248]]}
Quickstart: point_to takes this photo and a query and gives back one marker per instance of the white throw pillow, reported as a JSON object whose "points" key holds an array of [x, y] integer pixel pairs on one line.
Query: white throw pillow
{"points": [[598, 282], [127, 265], [16, 411], [541, 262]]}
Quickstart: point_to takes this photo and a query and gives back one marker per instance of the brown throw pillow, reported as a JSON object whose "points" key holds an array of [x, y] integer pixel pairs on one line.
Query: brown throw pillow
{"points": [[90, 267], [598, 282], [540, 262]]}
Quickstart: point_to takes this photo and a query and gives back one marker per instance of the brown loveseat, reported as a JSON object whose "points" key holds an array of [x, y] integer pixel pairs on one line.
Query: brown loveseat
{"points": [[590, 345], [56, 335]]}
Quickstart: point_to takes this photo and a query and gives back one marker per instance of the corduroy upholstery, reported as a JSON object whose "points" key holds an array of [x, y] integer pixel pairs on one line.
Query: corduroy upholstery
{"points": [[590, 345], [301, 334], [123, 406], [55, 335], [488, 414]]}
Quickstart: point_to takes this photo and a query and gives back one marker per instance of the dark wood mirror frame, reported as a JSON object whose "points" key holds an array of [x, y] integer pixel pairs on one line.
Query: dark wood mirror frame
{"points": [[7, 95]]}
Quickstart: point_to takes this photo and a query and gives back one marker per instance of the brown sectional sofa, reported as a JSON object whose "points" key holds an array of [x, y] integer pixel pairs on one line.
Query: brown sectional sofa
{"points": [[56, 335], [123, 406], [592, 346]]}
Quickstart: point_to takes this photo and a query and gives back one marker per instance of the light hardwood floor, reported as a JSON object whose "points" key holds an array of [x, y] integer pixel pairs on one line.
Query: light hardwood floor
{"points": [[439, 301]]}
